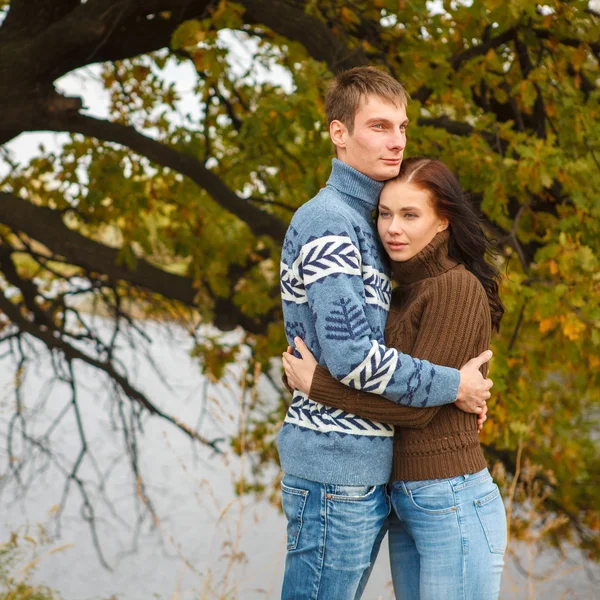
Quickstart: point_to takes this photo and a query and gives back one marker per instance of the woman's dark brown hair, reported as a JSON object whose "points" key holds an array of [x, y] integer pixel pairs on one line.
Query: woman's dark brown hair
{"points": [[468, 243]]}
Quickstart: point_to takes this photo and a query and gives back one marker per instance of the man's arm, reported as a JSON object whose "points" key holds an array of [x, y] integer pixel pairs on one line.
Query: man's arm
{"points": [[468, 332], [330, 267]]}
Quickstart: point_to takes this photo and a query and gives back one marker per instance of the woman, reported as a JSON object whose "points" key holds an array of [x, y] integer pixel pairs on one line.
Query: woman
{"points": [[449, 537]]}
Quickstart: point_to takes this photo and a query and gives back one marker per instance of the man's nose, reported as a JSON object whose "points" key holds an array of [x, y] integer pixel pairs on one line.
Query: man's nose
{"points": [[398, 141]]}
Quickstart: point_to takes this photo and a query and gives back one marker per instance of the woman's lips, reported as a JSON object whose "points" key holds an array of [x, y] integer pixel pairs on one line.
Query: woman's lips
{"points": [[396, 245]]}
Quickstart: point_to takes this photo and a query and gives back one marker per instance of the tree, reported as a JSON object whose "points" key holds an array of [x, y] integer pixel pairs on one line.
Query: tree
{"points": [[149, 212]]}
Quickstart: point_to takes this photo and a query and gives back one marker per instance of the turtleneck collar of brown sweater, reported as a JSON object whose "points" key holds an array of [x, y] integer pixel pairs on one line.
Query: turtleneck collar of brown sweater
{"points": [[432, 261]]}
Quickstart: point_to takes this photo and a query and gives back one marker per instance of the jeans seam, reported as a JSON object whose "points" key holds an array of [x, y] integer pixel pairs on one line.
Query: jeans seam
{"points": [[486, 531], [463, 554], [324, 540]]}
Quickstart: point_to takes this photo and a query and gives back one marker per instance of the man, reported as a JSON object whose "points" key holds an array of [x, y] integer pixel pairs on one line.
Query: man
{"points": [[336, 294]]}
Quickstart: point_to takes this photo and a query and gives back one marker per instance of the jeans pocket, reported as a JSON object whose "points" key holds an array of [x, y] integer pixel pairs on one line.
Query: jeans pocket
{"points": [[352, 493], [293, 501], [492, 516], [434, 498]]}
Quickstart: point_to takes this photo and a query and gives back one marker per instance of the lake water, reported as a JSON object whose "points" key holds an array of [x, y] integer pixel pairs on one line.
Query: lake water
{"points": [[207, 542]]}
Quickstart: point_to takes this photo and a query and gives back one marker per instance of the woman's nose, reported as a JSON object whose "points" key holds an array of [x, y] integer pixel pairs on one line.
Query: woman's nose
{"points": [[395, 227]]}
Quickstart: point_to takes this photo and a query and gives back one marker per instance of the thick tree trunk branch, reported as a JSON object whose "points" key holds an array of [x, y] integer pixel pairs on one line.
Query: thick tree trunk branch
{"points": [[29, 17], [290, 20], [108, 30], [46, 226]]}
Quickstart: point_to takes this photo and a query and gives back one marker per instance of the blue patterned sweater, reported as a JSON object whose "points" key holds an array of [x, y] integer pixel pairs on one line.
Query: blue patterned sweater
{"points": [[336, 295]]}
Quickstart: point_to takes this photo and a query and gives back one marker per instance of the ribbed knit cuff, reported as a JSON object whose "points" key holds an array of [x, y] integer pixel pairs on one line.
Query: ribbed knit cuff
{"points": [[321, 388]]}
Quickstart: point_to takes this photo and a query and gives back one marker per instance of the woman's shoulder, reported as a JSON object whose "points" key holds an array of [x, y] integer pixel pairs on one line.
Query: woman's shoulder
{"points": [[460, 284]]}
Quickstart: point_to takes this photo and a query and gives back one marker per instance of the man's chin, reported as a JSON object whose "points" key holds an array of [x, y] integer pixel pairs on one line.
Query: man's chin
{"points": [[387, 172]]}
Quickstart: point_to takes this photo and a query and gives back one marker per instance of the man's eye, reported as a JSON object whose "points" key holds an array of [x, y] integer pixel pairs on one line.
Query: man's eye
{"points": [[378, 125]]}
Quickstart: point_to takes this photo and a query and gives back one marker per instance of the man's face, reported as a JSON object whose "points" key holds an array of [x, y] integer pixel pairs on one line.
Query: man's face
{"points": [[376, 145]]}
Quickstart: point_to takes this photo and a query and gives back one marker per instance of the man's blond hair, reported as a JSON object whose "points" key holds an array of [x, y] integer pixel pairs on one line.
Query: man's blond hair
{"points": [[345, 92]]}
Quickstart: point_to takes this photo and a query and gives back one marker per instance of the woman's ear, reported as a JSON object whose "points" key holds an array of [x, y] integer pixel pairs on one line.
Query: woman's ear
{"points": [[443, 225]]}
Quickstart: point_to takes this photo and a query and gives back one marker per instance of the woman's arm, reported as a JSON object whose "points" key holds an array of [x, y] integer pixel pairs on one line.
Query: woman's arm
{"points": [[329, 391]]}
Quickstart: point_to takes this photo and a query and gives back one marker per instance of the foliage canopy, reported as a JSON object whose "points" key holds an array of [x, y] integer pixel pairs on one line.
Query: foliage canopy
{"points": [[152, 212]]}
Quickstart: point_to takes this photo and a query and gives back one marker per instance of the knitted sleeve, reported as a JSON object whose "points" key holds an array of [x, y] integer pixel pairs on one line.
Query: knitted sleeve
{"points": [[455, 326], [329, 275]]}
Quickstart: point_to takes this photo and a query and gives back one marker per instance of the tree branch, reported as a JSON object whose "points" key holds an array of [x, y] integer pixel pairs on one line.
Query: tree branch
{"points": [[480, 49], [259, 222], [71, 353], [290, 20], [46, 226], [546, 34], [464, 130], [29, 17]]}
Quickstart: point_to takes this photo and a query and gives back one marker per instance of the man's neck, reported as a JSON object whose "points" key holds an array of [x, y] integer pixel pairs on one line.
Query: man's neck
{"points": [[347, 180]]}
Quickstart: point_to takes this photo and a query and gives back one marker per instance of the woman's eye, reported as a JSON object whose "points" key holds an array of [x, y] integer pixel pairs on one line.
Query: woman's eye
{"points": [[410, 215], [384, 215]]}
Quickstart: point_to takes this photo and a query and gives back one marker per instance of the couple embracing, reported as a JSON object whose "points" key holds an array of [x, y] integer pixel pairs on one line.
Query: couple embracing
{"points": [[389, 387]]}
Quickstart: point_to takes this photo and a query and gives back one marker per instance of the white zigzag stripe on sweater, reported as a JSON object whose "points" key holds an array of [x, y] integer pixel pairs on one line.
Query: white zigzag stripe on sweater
{"points": [[292, 289], [328, 255], [375, 371], [308, 414], [341, 257], [378, 287]]}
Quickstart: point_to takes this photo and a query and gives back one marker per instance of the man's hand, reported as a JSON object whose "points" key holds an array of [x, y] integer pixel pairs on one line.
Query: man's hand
{"points": [[474, 390]]}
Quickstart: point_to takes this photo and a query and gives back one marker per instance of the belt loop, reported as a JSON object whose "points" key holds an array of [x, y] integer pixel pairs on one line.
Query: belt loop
{"points": [[406, 492]]}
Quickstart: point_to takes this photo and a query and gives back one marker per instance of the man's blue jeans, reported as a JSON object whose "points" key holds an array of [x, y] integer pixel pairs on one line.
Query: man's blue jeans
{"points": [[331, 532], [447, 538]]}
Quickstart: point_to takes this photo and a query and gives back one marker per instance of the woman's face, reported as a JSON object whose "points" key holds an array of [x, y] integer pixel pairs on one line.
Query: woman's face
{"points": [[407, 221]]}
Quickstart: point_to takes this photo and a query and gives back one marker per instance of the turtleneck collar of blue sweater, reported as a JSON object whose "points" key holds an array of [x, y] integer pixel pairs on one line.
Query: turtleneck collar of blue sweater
{"points": [[357, 185]]}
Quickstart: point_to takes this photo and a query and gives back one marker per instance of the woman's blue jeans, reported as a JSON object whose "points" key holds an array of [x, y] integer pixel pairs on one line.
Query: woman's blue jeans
{"points": [[447, 539], [331, 534]]}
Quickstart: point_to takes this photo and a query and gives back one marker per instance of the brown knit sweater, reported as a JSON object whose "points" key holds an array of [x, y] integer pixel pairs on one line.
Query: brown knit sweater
{"points": [[439, 312]]}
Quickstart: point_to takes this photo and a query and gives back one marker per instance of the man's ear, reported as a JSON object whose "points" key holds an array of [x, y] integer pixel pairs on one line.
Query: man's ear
{"points": [[339, 134]]}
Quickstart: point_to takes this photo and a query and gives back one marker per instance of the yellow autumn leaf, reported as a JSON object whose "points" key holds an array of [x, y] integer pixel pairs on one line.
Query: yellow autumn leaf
{"points": [[547, 324], [594, 361], [573, 329]]}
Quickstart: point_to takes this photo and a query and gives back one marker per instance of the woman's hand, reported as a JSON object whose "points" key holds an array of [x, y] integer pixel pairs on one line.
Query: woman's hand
{"points": [[482, 417], [299, 372]]}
